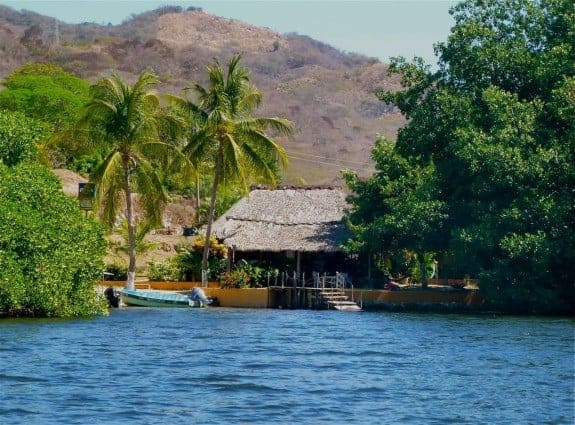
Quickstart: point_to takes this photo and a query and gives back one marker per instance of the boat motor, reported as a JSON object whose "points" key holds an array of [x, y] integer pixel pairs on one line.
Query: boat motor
{"points": [[199, 295], [113, 298]]}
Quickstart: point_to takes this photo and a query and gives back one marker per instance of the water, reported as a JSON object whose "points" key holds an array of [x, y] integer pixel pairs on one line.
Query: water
{"points": [[172, 366]]}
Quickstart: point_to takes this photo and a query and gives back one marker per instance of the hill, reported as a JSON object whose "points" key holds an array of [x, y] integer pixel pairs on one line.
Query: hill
{"points": [[328, 94]]}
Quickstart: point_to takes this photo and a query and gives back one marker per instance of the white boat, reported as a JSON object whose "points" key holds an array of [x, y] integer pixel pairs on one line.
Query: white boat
{"points": [[148, 298]]}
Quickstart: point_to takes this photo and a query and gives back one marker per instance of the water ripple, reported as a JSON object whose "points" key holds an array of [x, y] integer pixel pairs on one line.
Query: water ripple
{"points": [[216, 366]]}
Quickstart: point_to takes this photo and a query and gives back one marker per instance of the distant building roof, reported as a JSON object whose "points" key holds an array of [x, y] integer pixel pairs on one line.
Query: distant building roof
{"points": [[292, 219]]}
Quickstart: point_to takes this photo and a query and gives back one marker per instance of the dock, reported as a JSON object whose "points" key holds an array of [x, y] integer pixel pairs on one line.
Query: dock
{"points": [[319, 293]]}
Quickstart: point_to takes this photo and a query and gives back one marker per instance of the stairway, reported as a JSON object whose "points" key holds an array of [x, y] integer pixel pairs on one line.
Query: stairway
{"points": [[335, 299]]}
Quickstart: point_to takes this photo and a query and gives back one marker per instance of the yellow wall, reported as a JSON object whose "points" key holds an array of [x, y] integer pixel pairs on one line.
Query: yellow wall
{"points": [[243, 298], [414, 296], [259, 298]]}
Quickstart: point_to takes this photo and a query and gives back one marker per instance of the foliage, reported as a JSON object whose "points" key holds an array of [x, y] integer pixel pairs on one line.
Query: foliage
{"points": [[169, 270], [492, 134], [246, 275], [224, 131], [187, 264], [141, 230], [49, 95], [216, 248], [46, 93], [19, 137], [50, 255], [116, 272], [395, 209], [237, 278], [130, 122], [226, 198]]}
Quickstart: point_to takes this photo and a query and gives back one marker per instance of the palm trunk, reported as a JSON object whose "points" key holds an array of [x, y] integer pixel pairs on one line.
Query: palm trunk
{"points": [[130, 282], [206, 252], [422, 270], [197, 197]]}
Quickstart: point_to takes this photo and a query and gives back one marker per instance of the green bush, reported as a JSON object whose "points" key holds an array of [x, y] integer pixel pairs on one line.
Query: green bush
{"points": [[246, 275], [116, 272], [19, 137], [44, 92], [168, 270], [186, 266], [50, 254]]}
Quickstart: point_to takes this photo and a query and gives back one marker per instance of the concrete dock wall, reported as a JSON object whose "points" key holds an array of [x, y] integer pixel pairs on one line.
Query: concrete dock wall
{"points": [[262, 298]]}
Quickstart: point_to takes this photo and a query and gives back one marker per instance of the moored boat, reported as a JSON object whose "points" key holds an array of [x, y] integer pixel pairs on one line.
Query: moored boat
{"points": [[145, 298]]}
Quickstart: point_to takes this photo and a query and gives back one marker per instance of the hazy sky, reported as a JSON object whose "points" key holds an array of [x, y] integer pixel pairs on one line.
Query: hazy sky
{"points": [[378, 28]]}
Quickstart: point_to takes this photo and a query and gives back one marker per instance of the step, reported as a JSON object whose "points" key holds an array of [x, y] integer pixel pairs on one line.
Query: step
{"points": [[335, 296], [346, 302]]}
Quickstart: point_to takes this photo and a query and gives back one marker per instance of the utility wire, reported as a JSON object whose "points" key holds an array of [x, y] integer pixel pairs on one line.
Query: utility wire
{"points": [[327, 158], [315, 161]]}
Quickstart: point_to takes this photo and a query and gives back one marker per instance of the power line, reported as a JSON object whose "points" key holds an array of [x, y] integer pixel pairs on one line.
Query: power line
{"points": [[315, 161], [328, 158]]}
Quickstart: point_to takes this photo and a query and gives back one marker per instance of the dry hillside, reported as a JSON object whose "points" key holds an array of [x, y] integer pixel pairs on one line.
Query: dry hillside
{"points": [[328, 94]]}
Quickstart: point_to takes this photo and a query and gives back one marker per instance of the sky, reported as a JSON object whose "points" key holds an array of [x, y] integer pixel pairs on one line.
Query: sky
{"points": [[376, 28]]}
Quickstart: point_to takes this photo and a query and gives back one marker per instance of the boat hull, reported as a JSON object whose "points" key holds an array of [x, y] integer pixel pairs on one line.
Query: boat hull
{"points": [[141, 298]]}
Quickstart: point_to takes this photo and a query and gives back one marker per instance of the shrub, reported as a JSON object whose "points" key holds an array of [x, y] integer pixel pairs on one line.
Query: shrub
{"points": [[237, 278], [19, 137], [170, 270], [51, 255], [116, 272], [246, 275], [186, 266]]}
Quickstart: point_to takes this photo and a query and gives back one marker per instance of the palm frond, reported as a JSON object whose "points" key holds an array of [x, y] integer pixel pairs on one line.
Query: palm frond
{"points": [[233, 160], [260, 166], [249, 101], [279, 125], [108, 177], [152, 197]]}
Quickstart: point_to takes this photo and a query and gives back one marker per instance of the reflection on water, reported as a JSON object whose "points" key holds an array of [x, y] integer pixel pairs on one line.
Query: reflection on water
{"points": [[149, 366]]}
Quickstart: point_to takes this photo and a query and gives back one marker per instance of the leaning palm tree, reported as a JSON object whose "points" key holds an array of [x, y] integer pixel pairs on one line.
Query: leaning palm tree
{"points": [[224, 132], [129, 121]]}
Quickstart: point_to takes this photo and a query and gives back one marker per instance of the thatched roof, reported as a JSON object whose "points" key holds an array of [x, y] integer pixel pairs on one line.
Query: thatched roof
{"points": [[305, 220], [69, 180]]}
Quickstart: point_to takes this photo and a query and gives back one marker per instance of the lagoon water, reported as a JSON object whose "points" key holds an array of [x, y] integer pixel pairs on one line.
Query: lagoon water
{"points": [[220, 366]]}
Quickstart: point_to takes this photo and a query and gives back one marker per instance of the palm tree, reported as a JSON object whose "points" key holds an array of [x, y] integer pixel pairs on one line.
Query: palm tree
{"points": [[225, 133], [130, 122]]}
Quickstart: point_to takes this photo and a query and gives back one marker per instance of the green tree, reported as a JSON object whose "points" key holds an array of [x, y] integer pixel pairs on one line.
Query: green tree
{"points": [[20, 137], [225, 132], [46, 93], [396, 209], [130, 121], [50, 255], [497, 123]]}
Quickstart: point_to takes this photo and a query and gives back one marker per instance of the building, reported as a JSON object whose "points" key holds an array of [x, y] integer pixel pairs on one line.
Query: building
{"points": [[299, 228]]}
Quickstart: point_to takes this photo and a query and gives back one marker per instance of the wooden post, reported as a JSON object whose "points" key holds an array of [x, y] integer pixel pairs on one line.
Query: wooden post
{"points": [[230, 256], [298, 262], [294, 299]]}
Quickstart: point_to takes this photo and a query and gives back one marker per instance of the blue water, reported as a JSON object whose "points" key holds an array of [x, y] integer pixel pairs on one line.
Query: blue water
{"points": [[220, 366]]}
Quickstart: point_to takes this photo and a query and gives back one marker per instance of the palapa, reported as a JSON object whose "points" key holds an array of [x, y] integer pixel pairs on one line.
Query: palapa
{"points": [[293, 219]]}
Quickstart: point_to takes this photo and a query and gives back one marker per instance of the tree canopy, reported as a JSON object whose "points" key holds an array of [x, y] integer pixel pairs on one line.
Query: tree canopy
{"points": [[46, 93], [19, 137], [491, 134], [51, 255]]}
